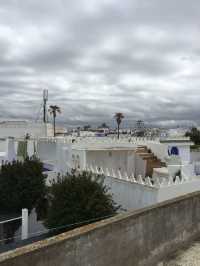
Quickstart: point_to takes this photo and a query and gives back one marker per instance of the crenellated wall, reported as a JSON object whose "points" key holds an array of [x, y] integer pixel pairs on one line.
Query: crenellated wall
{"points": [[134, 192]]}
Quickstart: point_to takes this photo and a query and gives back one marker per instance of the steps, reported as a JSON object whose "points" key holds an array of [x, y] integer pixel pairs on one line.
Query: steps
{"points": [[151, 160]]}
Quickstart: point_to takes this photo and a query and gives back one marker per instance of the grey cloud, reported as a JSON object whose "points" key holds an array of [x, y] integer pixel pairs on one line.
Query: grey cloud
{"points": [[135, 56]]}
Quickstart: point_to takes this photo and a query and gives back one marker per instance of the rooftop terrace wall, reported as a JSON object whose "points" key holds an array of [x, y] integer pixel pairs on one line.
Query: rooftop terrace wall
{"points": [[136, 238]]}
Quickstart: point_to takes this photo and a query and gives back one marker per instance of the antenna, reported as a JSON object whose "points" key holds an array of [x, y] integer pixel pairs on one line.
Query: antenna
{"points": [[45, 99]]}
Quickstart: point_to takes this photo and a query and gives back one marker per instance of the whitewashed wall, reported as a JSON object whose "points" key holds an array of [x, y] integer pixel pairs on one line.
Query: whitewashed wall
{"points": [[140, 166], [184, 153], [78, 159], [159, 149], [46, 150], [3, 145], [113, 159], [20, 130], [176, 190], [130, 196], [195, 156]]}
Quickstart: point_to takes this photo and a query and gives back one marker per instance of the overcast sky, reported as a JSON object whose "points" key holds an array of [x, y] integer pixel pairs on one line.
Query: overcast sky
{"points": [[139, 57]]}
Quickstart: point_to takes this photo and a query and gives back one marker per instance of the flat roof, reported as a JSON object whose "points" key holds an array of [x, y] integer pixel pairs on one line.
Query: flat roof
{"points": [[104, 148], [177, 141]]}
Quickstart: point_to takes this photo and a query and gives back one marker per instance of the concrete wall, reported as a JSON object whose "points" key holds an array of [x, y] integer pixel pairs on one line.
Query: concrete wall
{"points": [[78, 160], [46, 150], [134, 196], [18, 130], [113, 159], [133, 239], [159, 149], [184, 152], [176, 190], [195, 156], [140, 166], [129, 195], [3, 145]]}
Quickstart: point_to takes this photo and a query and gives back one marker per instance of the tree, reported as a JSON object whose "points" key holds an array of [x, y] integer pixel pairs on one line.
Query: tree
{"points": [[86, 127], [22, 185], [194, 135], [103, 125], [118, 117], [77, 198], [140, 128], [54, 109]]}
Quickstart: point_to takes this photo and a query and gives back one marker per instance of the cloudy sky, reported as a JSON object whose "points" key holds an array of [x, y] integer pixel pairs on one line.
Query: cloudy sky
{"points": [[98, 57]]}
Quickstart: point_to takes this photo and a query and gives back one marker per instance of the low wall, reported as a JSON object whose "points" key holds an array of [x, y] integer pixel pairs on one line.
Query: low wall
{"points": [[176, 190], [133, 239], [134, 196], [195, 156], [129, 195]]}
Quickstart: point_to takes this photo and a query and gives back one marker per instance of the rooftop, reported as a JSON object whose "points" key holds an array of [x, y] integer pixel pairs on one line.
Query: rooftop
{"points": [[186, 256]]}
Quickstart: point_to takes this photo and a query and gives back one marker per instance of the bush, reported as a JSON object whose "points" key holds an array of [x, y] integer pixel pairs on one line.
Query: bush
{"points": [[76, 198], [194, 135], [22, 185]]}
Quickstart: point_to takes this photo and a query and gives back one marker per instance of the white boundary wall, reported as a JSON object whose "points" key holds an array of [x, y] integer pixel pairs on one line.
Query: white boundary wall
{"points": [[135, 193]]}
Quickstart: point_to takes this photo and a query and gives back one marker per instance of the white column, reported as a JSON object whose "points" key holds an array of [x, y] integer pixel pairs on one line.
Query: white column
{"points": [[10, 152], [83, 159], [59, 146], [24, 234]]}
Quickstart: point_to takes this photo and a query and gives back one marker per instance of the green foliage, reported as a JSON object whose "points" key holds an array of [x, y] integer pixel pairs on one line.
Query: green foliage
{"points": [[118, 117], [22, 185], [86, 127], [194, 135], [54, 109], [103, 125], [195, 147], [78, 197]]}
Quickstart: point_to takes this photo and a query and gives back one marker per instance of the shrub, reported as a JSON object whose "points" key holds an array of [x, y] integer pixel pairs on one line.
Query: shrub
{"points": [[22, 185], [76, 198]]}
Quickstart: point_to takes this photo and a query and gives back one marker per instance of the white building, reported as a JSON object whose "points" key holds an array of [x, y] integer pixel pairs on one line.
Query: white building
{"points": [[18, 129], [139, 171]]}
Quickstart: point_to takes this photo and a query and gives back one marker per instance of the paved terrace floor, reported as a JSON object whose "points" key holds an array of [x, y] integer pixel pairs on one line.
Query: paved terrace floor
{"points": [[188, 256]]}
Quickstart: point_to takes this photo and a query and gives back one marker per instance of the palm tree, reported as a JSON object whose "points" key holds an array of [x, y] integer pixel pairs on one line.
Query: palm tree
{"points": [[118, 117], [53, 110]]}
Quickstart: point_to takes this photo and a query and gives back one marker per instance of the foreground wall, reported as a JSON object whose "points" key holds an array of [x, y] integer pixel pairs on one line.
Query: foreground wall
{"points": [[138, 238]]}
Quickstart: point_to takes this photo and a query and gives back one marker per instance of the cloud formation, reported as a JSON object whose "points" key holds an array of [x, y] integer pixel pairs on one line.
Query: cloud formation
{"points": [[96, 58]]}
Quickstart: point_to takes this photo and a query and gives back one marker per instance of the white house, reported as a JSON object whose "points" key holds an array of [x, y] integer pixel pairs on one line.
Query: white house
{"points": [[138, 171], [18, 129]]}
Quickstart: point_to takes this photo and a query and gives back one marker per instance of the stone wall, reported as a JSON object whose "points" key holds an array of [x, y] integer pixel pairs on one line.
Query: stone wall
{"points": [[132, 239]]}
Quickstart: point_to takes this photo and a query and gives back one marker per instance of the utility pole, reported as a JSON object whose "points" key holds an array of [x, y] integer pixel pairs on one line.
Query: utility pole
{"points": [[45, 99]]}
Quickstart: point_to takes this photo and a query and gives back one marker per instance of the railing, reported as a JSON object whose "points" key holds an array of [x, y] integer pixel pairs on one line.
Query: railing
{"points": [[24, 218]]}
